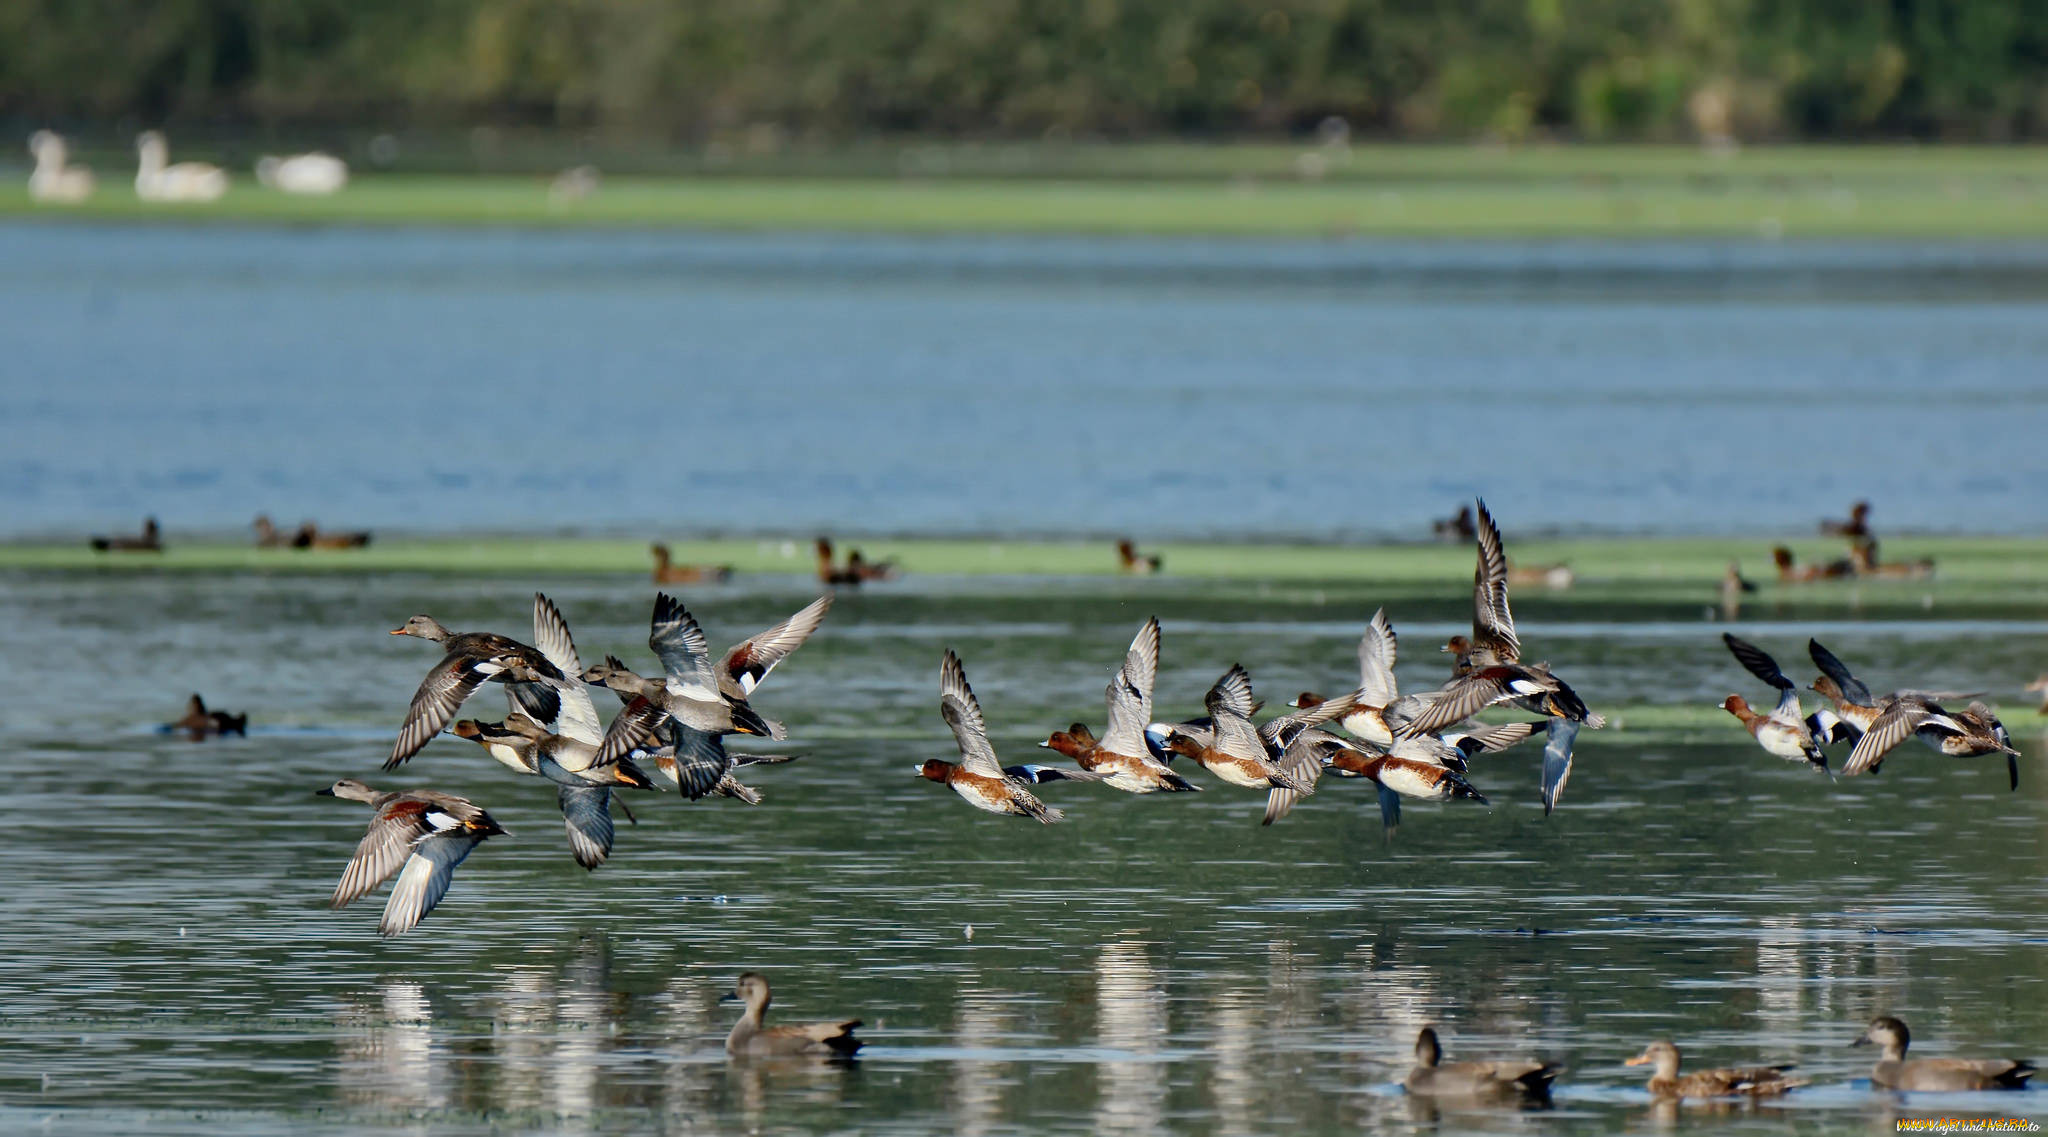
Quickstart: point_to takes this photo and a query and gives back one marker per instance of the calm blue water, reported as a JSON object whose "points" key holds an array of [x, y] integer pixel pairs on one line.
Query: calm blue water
{"points": [[441, 380]]}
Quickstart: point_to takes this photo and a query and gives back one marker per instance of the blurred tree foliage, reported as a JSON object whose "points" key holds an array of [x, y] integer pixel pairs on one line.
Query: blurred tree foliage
{"points": [[1596, 69]]}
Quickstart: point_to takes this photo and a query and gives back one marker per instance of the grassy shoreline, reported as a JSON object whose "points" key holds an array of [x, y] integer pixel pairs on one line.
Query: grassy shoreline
{"points": [[1245, 190], [2015, 561]]}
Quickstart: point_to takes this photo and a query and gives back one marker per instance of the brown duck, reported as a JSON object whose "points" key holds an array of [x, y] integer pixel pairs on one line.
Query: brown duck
{"points": [[1731, 1081]]}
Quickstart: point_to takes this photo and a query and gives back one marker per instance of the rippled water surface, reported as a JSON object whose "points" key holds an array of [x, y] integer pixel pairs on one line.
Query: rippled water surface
{"points": [[1163, 964], [437, 380]]}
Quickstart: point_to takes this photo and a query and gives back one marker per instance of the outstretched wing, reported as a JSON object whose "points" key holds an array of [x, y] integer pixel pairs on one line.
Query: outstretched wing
{"points": [[1230, 705], [1493, 625], [578, 716], [1759, 662], [440, 695], [1130, 693], [750, 660], [1557, 761], [1852, 687], [1376, 686], [1898, 722], [962, 712], [428, 873], [587, 815], [385, 847], [684, 652]]}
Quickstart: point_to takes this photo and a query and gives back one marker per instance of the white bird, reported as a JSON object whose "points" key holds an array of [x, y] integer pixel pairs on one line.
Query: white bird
{"points": [[186, 181], [52, 180], [314, 174]]}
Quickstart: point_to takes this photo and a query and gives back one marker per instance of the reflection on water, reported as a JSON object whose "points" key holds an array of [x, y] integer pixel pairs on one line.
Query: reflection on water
{"points": [[388, 1059], [1154, 965], [1130, 1023]]}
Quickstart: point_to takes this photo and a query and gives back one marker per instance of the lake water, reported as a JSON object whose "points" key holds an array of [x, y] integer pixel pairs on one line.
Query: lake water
{"points": [[1163, 964], [434, 380]]}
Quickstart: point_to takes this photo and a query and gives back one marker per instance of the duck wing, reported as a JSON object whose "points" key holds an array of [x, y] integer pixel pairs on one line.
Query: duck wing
{"points": [[1493, 625], [1852, 687], [1229, 703], [750, 660], [1302, 762], [1376, 648], [1900, 719], [1129, 694], [1473, 692], [685, 654], [700, 761], [440, 695], [1037, 773], [382, 850], [1758, 661], [1557, 761], [577, 717], [1488, 739], [587, 815], [962, 712], [633, 727], [428, 873]]}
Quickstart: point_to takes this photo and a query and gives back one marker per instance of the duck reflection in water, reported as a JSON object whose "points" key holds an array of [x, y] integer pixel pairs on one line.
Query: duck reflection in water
{"points": [[387, 1057], [1130, 1022], [978, 1084]]}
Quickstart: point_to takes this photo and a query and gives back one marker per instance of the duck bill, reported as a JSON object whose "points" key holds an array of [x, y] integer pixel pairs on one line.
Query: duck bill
{"points": [[398, 631], [1863, 1041], [729, 997], [1638, 1060]]}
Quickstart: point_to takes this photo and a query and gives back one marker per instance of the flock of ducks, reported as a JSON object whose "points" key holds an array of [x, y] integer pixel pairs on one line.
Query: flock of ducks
{"points": [[54, 180], [1529, 1081], [675, 719]]}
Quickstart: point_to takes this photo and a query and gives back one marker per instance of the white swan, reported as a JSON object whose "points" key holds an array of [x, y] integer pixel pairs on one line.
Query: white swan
{"points": [[314, 173], [186, 181], [52, 180]]}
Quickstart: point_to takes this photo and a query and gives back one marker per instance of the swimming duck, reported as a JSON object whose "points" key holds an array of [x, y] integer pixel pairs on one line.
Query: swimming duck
{"points": [[1121, 755], [668, 572], [1235, 750], [425, 832], [199, 722], [52, 181], [471, 658], [858, 568], [1786, 731], [1457, 527], [186, 181], [268, 535], [1884, 722], [1857, 525], [1733, 587], [1894, 1072], [690, 691], [1432, 1076], [1129, 560], [750, 1037], [151, 540], [1742, 1081], [1863, 556], [1556, 578], [311, 536], [1791, 572], [979, 778]]}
